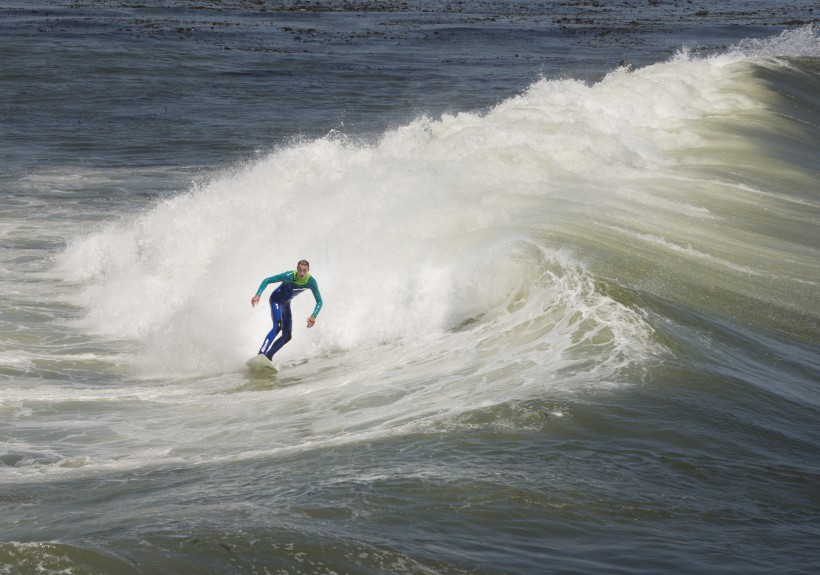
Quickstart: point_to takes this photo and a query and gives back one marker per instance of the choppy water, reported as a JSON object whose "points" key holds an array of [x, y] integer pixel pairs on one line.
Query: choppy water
{"points": [[571, 317]]}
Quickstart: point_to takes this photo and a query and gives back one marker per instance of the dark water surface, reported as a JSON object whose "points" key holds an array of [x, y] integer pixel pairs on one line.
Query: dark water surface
{"points": [[127, 84]]}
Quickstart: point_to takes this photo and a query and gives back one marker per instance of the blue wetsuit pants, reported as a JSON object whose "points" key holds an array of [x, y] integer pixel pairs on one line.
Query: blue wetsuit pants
{"points": [[282, 322]]}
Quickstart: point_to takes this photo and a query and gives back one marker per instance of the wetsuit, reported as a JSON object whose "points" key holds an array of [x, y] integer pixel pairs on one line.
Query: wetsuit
{"points": [[291, 286]]}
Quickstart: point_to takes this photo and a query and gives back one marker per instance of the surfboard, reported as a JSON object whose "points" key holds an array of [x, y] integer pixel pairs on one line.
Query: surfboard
{"points": [[260, 362]]}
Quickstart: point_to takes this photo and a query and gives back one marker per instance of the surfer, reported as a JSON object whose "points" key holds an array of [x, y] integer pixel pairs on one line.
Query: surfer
{"points": [[292, 284]]}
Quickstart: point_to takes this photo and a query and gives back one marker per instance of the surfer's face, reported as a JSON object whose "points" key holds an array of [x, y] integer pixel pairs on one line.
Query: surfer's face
{"points": [[302, 269]]}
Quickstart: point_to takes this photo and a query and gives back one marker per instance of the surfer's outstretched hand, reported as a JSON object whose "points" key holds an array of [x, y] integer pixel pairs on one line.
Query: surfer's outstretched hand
{"points": [[311, 321], [254, 300]]}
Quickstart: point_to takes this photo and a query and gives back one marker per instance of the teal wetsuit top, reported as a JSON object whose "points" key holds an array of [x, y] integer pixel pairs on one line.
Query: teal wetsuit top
{"points": [[292, 285]]}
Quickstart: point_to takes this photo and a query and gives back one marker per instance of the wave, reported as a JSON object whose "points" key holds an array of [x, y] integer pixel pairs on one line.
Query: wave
{"points": [[532, 234]]}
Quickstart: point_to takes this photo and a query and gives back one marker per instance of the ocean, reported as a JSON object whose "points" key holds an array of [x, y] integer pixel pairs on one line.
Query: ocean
{"points": [[570, 264]]}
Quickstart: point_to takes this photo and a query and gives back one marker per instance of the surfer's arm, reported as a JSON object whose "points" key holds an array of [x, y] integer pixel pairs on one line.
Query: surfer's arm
{"points": [[273, 279], [314, 289]]}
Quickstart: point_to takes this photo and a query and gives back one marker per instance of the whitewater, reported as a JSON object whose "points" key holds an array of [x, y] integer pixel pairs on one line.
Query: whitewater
{"points": [[484, 220]]}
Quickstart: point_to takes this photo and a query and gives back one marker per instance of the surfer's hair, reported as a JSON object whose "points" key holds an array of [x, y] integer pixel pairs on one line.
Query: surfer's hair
{"points": [[303, 263]]}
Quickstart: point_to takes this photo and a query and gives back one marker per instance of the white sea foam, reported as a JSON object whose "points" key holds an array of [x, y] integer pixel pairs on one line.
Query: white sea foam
{"points": [[465, 262], [415, 234]]}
